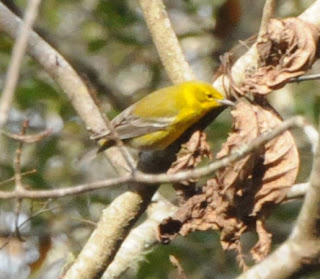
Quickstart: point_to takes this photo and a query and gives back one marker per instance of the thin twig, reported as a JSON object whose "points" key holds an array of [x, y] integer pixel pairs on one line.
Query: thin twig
{"points": [[159, 178], [297, 191], [22, 174], [313, 136], [305, 78], [18, 177], [123, 150], [16, 60], [17, 160], [28, 138]]}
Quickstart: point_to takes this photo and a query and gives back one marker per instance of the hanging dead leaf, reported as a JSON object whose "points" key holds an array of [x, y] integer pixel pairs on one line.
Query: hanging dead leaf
{"points": [[262, 247], [281, 161], [238, 198], [245, 130], [209, 210], [192, 153], [287, 50]]}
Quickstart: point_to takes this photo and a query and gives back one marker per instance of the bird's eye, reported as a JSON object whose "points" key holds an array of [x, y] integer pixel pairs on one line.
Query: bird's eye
{"points": [[209, 96]]}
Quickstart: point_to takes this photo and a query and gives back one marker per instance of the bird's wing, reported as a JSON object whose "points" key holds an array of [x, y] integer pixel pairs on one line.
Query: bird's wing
{"points": [[128, 125]]}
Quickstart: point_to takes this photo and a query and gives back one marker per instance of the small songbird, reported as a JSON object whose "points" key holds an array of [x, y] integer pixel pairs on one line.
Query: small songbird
{"points": [[158, 119]]}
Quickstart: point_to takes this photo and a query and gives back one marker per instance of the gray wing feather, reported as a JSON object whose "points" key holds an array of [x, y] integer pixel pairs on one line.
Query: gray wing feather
{"points": [[129, 126]]}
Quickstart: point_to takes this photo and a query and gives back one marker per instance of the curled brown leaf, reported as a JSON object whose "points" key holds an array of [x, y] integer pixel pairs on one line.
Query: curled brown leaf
{"points": [[287, 50], [190, 155], [239, 197]]}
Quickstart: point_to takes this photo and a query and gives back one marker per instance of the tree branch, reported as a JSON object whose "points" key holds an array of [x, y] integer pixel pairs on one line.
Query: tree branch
{"points": [[268, 11], [151, 179], [58, 68], [65, 76], [19, 49], [166, 41], [140, 238]]}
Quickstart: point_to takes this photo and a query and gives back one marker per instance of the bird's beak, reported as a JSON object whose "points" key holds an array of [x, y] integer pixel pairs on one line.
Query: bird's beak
{"points": [[226, 102]]}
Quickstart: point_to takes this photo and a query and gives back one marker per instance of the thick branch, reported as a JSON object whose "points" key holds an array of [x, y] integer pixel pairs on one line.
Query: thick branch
{"points": [[58, 68], [166, 41], [140, 238], [268, 11], [65, 76]]}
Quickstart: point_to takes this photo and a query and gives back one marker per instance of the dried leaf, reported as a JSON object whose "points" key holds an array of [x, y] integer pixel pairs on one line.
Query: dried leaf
{"points": [[191, 154], [245, 130], [287, 50], [238, 198], [281, 161], [263, 246]]}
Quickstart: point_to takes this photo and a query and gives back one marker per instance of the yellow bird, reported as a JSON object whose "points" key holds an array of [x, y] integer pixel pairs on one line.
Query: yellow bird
{"points": [[158, 119]]}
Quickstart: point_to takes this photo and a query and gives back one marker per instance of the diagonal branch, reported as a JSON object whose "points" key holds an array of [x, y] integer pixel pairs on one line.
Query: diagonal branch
{"points": [[16, 60], [268, 11], [140, 238], [116, 220], [166, 41]]}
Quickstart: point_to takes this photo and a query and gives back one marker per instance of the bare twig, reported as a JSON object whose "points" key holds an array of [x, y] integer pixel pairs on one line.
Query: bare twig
{"points": [[22, 174], [18, 178], [313, 136], [297, 191], [166, 41], [159, 178], [122, 148], [28, 138], [305, 78], [307, 226], [17, 160], [16, 60]]}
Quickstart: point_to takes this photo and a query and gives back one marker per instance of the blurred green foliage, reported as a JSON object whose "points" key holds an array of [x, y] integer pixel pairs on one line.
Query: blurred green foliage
{"points": [[110, 41]]}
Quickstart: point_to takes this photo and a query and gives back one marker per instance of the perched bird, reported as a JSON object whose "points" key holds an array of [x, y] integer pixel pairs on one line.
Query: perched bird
{"points": [[158, 119]]}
